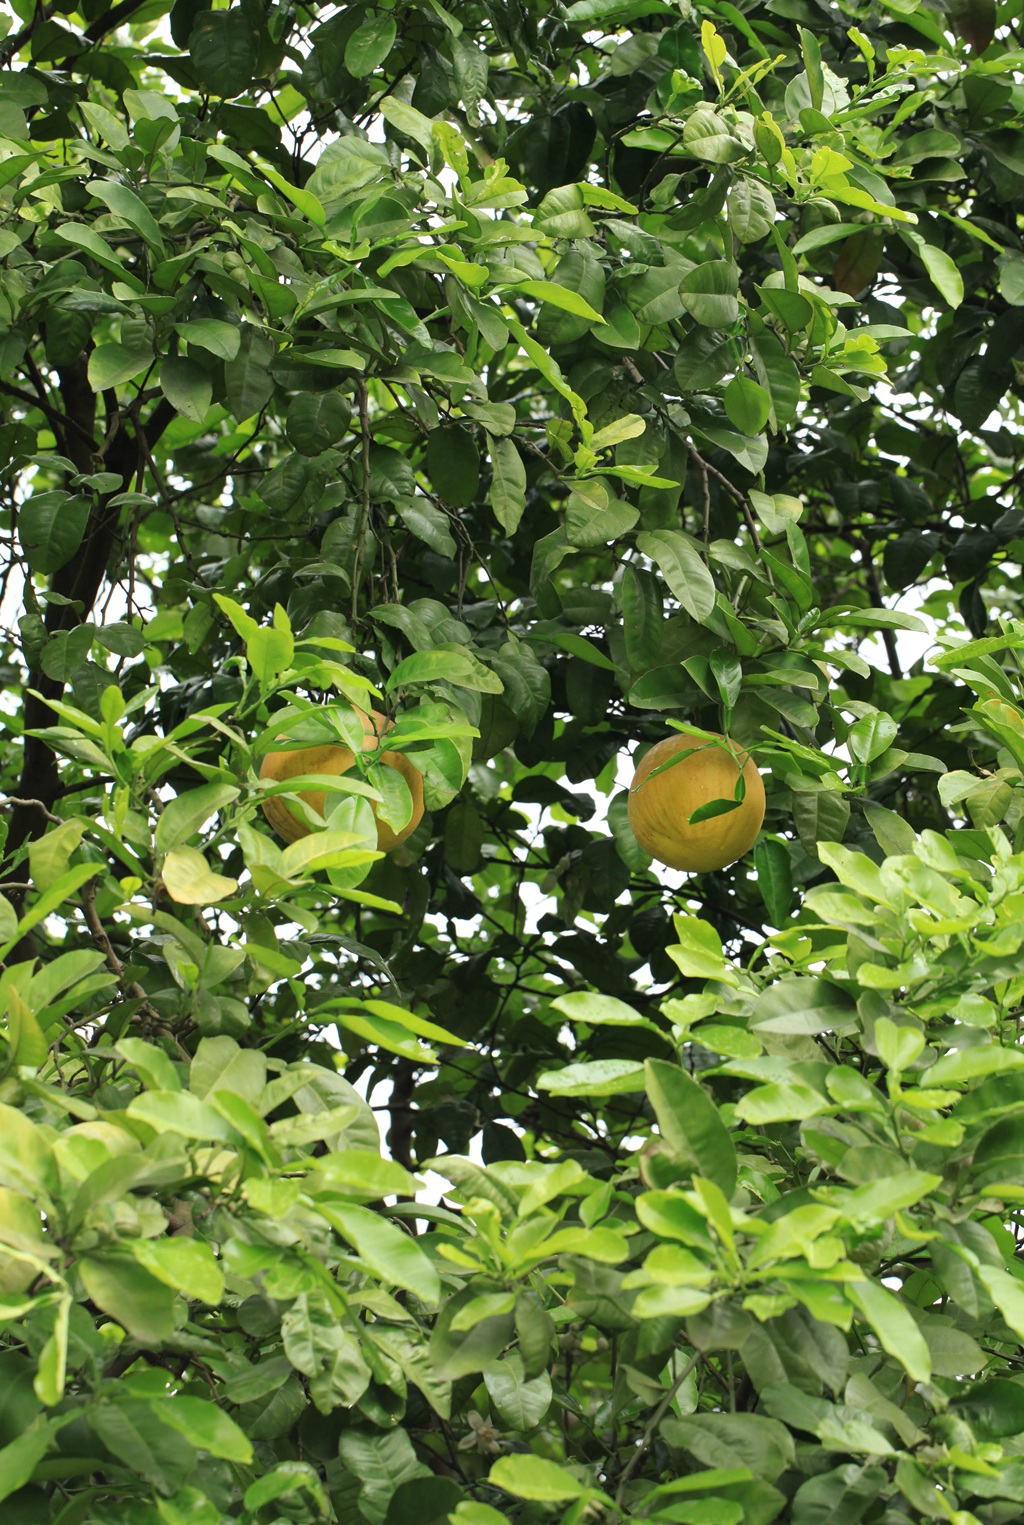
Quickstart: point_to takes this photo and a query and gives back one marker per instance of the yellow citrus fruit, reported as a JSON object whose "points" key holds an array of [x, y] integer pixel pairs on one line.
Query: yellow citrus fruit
{"points": [[660, 808], [335, 760]]}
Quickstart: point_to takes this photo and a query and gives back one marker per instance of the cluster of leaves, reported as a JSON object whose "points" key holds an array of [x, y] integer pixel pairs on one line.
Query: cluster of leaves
{"points": [[790, 1287], [541, 376]]}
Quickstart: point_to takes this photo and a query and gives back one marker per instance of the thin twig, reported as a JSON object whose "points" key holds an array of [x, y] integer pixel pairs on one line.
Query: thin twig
{"points": [[11, 800], [738, 496], [98, 932], [875, 589], [652, 1425], [703, 468]]}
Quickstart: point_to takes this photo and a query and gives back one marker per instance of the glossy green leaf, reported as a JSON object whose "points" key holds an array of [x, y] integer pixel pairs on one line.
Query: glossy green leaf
{"points": [[190, 880], [50, 527], [689, 1122], [685, 573], [389, 1252]]}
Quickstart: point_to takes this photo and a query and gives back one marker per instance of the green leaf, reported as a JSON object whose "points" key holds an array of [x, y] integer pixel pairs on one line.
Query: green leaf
{"points": [[27, 1161], [181, 1112], [559, 296], [395, 1037], [51, 1375], [726, 1440], [153, 1066], [381, 1463], [89, 240], [130, 1295], [698, 953], [561, 214], [775, 510], [772, 865], [187, 387], [370, 43], [703, 358], [221, 1065], [315, 421], [450, 664], [1011, 279], [308, 204], [941, 268], [520, 1403], [363, 1173], [421, 1026], [212, 334], [972, 1063], [187, 1265], [536, 1478], [599, 1010], [50, 527], [747, 405], [26, 1038], [189, 880], [408, 121], [65, 653], [679, 561], [224, 49], [65, 886], [429, 524], [471, 1511], [1007, 1294], [186, 813], [690, 1123], [205, 1426], [385, 1250], [801, 1004], [706, 136], [898, 1047], [550, 370], [871, 736], [778, 374], [751, 210], [248, 382], [244, 623], [820, 817], [270, 651], [508, 483], [897, 1332], [593, 516], [129, 208], [18, 1461], [285, 1478], [709, 294], [601, 1077], [453, 464], [111, 365], [106, 124]]}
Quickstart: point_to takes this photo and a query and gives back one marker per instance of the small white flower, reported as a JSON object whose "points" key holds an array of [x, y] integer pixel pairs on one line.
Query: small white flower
{"points": [[482, 1436]]}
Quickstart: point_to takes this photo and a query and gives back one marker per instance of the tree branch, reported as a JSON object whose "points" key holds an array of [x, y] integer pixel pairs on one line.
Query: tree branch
{"points": [[79, 582], [113, 18]]}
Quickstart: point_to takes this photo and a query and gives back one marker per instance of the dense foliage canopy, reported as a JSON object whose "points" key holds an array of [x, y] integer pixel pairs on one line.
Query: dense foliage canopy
{"points": [[547, 379]]}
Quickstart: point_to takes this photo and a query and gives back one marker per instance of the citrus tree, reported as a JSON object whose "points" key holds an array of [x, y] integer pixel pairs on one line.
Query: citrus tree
{"points": [[411, 413]]}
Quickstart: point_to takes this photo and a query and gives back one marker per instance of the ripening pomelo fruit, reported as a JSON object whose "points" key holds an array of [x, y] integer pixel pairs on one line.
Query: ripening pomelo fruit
{"points": [[335, 760], [660, 808]]}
